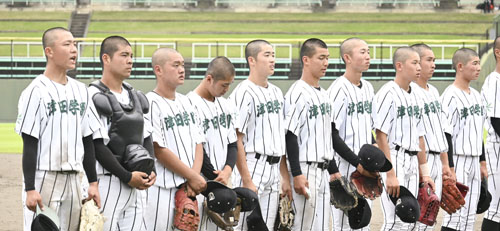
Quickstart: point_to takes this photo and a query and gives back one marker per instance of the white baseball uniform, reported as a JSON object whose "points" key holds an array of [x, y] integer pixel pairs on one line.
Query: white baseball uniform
{"points": [[122, 206], [435, 124], [260, 115], [351, 111], [492, 102], [466, 114], [176, 127], [398, 113], [59, 116], [218, 121], [308, 115]]}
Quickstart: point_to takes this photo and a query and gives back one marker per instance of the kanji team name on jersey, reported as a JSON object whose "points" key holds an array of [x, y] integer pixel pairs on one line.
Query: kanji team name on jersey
{"points": [[269, 107], [434, 107], [180, 119], [324, 108], [410, 111], [64, 107], [224, 120], [360, 108], [472, 110]]}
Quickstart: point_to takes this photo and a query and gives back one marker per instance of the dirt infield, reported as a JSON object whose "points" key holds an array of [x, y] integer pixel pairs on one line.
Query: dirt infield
{"points": [[11, 206]]}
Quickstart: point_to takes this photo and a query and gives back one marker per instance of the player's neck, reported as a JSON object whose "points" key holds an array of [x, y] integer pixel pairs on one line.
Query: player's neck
{"points": [[423, 83], [165, 90], [353, 76], [259, 80], [56, 74], [114, 84], [462, 83], [402, 83], [203, 92], [309, 78], [497, 69]]}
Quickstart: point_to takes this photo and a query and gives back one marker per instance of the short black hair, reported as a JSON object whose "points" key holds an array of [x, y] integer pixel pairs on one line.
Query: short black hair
{"points": [[253, 48], [110, 45], [402, 54], [220, 68], [309, 47], [463, 55], [420, 48], [48, 37]]}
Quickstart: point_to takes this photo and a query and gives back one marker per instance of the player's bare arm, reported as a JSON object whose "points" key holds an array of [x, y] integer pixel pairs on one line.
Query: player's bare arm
{"points": [[392, 183], [422, 161], [285, 177], [241, 164]]}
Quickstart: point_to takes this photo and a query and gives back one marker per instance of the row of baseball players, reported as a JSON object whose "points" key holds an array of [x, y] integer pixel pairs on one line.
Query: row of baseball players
{"points": [[63, 133]]}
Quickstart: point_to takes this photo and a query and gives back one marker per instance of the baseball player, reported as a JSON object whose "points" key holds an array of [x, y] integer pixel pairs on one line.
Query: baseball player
{"points": [[177, 140], [351, 111], [434, 122], [465, 113], [218, 118], [491, 220], [56, 119], [309, 146], [261, 136], [399, 130], [123, 204]]}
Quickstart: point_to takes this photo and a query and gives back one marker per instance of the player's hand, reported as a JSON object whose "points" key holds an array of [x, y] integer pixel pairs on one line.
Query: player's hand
{"points": [[453, 175], [190, 192], [447, 175], [300, 184], [366, 172], [33, 198], [151, 180], [335, 176], [286, 188], [196, 183], [248, 183], [223, 176], [392, 184], [93, 194], [429, 180], [484, 170], [138, 180]]}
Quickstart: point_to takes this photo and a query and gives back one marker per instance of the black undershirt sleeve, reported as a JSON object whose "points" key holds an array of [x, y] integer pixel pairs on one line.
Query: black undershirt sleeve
{"points": [[495, 122], [148, 145], [292, 151], [30, 149], [207, 169], [482, 157], [232, 151], [109, 161], [373, 139], [342, 149], [332, 167], [450, 150], [89, 159]]}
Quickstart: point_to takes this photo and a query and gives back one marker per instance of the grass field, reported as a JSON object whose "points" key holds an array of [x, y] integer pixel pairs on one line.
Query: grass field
{"points": [[10, 142]]}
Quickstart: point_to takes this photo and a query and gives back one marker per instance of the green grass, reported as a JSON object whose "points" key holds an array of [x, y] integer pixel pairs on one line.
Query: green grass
{"points": [[10, 142]]}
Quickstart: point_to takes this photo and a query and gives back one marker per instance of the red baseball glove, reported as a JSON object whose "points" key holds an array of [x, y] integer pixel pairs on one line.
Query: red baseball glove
{"points": [[186, 216], [429, 204]]}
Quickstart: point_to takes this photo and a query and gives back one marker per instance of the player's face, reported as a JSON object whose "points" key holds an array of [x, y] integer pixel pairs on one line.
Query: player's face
{"points": [[472, 68], [411, 67], [360, 56], [219, 87], [427, 63], [63, 51], [265, 60], [121, 62], [318, 63], [173, 69]]}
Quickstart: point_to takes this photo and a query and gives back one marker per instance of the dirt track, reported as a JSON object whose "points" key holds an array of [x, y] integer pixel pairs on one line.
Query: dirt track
{"points": [[11, 205]]}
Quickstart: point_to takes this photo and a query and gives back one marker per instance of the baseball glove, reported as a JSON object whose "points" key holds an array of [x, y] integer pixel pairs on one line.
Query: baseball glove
{"points": [[91, 218], [286, 215], [225, 221], [367, 187], [342, 195], [186, 217], [429, 204], [452, 198]]}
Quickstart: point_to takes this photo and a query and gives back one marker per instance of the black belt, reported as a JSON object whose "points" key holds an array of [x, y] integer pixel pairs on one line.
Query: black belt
{"points": [[321, 165], [269, 159], [434, 153], [411, 153]]}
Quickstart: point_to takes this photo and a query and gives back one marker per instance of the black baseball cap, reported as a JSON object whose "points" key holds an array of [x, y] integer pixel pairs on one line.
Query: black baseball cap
{"points": [[484, 197], [360, 216], [373, 159], [220, 198], [407, 207], [248, 198], [255, 221], [45, 220]]}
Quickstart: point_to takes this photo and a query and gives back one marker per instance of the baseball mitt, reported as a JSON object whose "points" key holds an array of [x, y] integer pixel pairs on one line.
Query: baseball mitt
{"points": [[429, 204], [226, 221], [452, 199], [186, 217], [342, 196], [367, 187], [91, 218], [286, 215]]}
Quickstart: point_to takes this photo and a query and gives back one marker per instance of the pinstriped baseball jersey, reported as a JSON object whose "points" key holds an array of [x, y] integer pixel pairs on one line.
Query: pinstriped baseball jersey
{"points": [[491, 96], [260, 112], [176, 127], [433, 118], [351, 111], [398, 113], [218, 120], [102, 133], [308, 115], [59, 116], [466, 114]]}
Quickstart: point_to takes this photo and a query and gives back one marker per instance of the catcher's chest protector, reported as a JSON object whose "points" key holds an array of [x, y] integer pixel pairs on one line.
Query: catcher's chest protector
{"points": [[127, 121]]}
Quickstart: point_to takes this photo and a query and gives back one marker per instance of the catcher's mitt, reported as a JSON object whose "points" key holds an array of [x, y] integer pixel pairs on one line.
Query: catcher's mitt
{"points": [[429, 204], [225, 221], [186, 215], [91, 218], [452, 199], [342, 196], [286, 215], [367, 187]]}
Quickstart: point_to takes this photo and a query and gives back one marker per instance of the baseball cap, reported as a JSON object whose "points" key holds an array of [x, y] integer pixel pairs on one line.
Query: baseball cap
{"points": [[484, 197], [220, 198], [360, 215], [248, 198], [373, 159], [255, 221], [407, 207], [46, 220]]}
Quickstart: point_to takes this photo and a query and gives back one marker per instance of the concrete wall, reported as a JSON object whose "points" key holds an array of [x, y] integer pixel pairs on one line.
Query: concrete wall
{"points": [[10, 90]]}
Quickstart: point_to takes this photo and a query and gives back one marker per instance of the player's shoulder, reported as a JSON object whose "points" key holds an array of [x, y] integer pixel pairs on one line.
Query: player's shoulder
{"points": [[275, 89], [474, 91], [388, 88], [337, 84], [152, 96]]}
